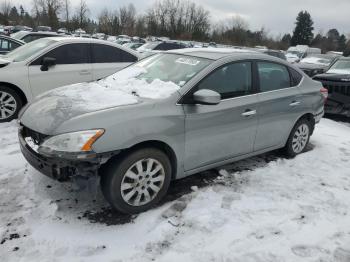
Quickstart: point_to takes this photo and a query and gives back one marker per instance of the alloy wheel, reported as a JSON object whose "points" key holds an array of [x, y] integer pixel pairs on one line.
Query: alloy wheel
{"points": [[8, 105], [300, 138], [142, 182]]}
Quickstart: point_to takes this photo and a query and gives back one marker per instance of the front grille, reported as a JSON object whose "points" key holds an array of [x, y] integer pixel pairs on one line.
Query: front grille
{"points": [[37, 137]]}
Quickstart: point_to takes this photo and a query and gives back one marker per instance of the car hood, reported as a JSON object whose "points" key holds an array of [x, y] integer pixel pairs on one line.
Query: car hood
{"points": [[51, 109], [311, 66], [333, 77]]}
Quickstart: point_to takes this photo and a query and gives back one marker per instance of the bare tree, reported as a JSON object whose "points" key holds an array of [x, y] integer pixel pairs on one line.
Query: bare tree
{"points": [[6, 8], [66, 6], [82, 12], [47, 11]]}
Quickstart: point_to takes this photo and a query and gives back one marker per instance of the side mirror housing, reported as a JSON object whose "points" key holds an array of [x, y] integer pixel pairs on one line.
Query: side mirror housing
{"points": [[206, 97], [47, 63]]}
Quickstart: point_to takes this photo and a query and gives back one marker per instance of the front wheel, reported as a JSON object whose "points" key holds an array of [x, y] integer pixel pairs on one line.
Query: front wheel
{"points": [[298, 138], [137, 181], [10, 104]]}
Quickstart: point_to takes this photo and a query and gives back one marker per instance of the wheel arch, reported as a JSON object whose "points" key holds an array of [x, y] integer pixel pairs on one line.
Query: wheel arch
{"points": [[164, 147], [309, 117], [18, 91]]}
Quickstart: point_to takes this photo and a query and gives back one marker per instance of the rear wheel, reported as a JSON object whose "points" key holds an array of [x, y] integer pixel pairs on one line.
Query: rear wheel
{"points": [[137, 181], [10, 104], [298, 138]]}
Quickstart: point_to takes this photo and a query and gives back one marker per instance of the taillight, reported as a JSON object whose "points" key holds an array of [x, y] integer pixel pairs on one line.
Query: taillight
{"points": [[324, 92]]}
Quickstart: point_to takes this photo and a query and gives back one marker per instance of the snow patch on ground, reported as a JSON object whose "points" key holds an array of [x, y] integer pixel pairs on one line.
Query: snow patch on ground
{"points": [[284, 210]]}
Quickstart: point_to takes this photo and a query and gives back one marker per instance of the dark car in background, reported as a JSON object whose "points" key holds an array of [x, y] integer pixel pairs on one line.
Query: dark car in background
{"points": [[157, 46], [337, 81], [8, 44], [317, 63], [27, 36]]}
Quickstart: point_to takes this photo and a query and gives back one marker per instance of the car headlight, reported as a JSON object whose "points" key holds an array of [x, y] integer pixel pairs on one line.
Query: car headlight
{"points": [[75, 142]]}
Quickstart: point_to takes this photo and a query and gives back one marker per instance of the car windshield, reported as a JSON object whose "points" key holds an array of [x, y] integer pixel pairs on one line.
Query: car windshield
{"points": [[24, 52], [340, 67], [319, 60], [178, 69]]}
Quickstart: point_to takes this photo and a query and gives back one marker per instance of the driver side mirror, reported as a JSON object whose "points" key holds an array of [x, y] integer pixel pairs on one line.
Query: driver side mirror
{"points": [[206, 97], [47, 63]]}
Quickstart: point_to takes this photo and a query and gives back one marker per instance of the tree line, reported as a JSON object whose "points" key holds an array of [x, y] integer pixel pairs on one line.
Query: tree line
{"points": [[177, 19]]}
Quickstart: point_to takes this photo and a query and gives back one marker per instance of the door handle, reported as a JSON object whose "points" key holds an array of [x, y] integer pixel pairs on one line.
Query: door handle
{"points": [[295, 103], [249, 112], [85, 72]]}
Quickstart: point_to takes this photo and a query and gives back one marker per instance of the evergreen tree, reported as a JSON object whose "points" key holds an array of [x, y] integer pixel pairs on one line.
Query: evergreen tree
{"points": [[286, 39], [302, 34], [342, 43], [14, 16], [22, 11], [347, 49]]}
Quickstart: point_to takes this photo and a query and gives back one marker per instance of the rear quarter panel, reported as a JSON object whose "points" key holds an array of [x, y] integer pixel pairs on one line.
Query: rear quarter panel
{"points": [[312, 99]]}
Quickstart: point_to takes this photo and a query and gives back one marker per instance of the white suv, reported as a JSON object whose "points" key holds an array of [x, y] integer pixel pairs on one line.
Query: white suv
{"points": [[53, 62]]}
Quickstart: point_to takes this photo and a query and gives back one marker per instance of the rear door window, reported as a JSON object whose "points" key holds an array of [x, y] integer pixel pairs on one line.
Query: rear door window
{"points": [[110, 54], [273, 76]]}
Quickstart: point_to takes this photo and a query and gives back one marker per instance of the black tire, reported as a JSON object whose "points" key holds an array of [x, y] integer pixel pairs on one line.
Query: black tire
{"points": [[288, 149], [18, 104], [113, 172]]}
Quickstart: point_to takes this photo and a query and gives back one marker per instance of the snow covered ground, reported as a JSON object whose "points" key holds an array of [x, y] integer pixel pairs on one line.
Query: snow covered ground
{"points": [[265, 208]]}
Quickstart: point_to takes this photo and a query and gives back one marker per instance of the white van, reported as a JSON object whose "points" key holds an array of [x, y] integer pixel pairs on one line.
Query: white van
{"points": [[296, 53]]}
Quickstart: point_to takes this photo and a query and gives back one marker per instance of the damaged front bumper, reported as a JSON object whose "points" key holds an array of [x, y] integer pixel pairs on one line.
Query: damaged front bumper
{"points": [[63, 168]]}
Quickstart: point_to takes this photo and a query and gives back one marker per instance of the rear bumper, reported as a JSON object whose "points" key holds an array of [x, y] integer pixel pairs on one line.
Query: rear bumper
{"points": [[318, 116]]}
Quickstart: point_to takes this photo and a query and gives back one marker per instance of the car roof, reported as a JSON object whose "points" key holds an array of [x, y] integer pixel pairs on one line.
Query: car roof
{"points": [[12, 39], [213, 53], [71, 39], [38, 33]]}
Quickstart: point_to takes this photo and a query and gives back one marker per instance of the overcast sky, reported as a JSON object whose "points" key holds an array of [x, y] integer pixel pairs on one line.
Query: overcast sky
{"points": [[277, 16]]}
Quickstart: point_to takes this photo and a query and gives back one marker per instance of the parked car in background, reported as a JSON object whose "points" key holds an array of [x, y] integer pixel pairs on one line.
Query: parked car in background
{"points": [[62, 31], [48, 63], [8, 30], [132, 45], [168, 116], [79, 32], [27, 36], [271, 52], [136, 39], [7, 44], [296, 53], [42, 28], [317, 63], [337, 81], [17, 28], [122, 41], [101, 36], [158, 46]]}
